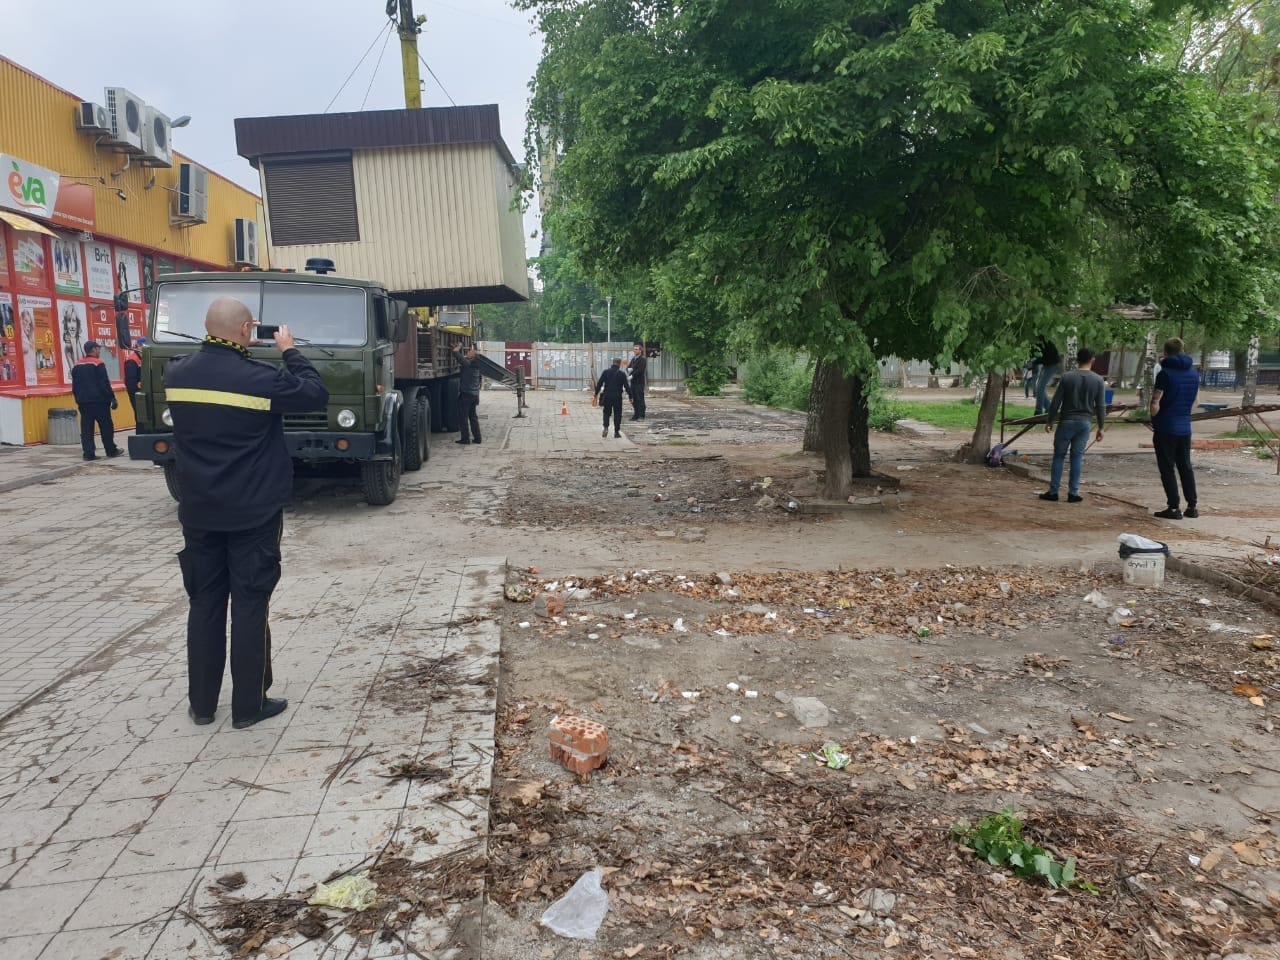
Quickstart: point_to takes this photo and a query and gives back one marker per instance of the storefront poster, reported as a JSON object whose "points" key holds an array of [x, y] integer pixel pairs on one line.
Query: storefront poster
{"points": [[102, 329], [4, 260], [148, 277], [128, 274], [165, 265], [101, 280], [68, 273], [10, 369], [39, 347], [73, 329], [29, 267]]}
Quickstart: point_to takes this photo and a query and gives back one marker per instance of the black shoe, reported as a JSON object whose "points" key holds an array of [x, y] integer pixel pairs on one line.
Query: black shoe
{"points": [[115, 453], [604, 433], [1074, 498], [271, 706], [465, 443], [1191, 513], [1052, 497], [1173, 513], [633, 418], [616, 435], [92, 456], [198, 720], [475, 439]]}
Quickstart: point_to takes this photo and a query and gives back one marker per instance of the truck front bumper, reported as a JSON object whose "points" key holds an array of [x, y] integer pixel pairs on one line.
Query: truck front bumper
{"points": [[159, 447]]}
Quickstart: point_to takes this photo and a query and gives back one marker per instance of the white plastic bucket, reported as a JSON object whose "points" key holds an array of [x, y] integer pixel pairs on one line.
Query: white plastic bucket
{"points": [[1144, 570]]}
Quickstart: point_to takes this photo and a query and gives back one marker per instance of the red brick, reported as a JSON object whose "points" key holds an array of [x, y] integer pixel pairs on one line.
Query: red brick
{"points": [[578, 744]]}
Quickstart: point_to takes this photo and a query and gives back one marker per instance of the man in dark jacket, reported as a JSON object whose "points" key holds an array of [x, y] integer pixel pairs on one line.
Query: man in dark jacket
{"points": [[235, 477], [1050, 360], [91, 387], [638, 369], [609, 388], [1172, 400], [468, 395], [133, 375]]}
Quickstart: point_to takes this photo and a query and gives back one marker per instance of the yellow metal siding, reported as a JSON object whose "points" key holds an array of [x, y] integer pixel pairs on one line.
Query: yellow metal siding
{"points": [[429, 218], [35, 415], [37, 123]]}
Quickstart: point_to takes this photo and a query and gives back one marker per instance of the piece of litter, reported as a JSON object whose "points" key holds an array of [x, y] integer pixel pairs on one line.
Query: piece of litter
{"points": [[579, 913], [593, 636], [832, 756], [751, 694], [1119, 716], [1097, 599], [1205, 602], [629, 616], [735, 719], [1193, 860], [679, 626], [352, 892], [691, 694], [732, 686], [524, 624]]}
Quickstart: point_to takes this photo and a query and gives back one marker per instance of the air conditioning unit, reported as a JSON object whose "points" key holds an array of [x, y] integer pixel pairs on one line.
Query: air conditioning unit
{"points": [[246, 242], [93, 117], [126, 112], [157, 149], [191, 198]]}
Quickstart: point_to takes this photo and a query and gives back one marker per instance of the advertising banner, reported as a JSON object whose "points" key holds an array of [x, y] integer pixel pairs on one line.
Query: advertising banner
{"points": [[165, 265], [4, 260], [148, 277], [73, 330], [101, 281], [29, 267], [128, 274], [102, 328], [68, 272], [9, 366], [39, 348], [28, 189]]}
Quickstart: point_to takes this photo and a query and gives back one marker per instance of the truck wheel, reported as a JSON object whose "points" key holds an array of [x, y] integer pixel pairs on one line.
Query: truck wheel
{"points": [[380, 479], [416, 449], [171, 480]]}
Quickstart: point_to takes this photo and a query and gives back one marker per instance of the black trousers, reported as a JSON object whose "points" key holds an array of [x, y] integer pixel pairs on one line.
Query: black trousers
{"points": [[637, 398], [99, 413], [1174, 454], [612, 407], [468, 420], [244, 567]]}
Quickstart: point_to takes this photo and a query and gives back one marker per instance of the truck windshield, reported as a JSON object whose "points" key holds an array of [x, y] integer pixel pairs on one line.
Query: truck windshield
{"points": [[326, 314]]}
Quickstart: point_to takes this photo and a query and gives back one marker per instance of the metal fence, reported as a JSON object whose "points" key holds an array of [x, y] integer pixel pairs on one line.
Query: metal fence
{"points": [[575, 366]]}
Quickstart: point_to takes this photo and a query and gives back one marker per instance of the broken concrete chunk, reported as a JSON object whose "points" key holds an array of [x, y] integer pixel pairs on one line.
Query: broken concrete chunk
{"points": [[810, 711], [878, 901], [725, 579]]}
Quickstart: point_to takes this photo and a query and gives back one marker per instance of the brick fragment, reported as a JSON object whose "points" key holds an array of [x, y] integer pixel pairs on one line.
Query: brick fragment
{"points": [[578, 744]]}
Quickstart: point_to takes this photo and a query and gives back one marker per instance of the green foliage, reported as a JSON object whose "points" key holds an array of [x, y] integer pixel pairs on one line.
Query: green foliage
{"points": [[883, 409], [773, 378], [707, 379], [948, 414], [998, 839]]}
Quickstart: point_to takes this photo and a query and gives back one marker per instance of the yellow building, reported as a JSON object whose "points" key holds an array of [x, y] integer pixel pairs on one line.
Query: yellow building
{"points": [[94, 203]]}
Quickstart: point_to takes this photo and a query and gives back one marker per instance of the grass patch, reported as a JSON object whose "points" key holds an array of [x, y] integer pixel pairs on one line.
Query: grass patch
{"points": [[1248, 435], [682, 443], [948, 414]]}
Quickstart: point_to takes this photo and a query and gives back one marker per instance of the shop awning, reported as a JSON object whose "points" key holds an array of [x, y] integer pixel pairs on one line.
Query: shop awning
{"points": [[19, 222]]}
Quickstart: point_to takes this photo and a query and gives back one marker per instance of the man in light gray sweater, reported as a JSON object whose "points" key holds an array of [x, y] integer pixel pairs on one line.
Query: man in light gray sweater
{"points": [[1079, 400]]}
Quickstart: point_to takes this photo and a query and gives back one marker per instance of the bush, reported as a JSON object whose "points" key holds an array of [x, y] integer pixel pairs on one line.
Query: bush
{"points": [[883, 411], [796, 388], [707, 379], [775, 379]]}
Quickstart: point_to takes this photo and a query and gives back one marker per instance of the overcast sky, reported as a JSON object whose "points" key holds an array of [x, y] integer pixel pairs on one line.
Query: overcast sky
{"points": [[244, 58]]}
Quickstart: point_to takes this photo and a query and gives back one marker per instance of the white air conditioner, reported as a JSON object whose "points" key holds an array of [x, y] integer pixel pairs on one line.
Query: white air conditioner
{"points": [[191, 198], [93, 117], [246, 242], [157, 148], [127, 113]]}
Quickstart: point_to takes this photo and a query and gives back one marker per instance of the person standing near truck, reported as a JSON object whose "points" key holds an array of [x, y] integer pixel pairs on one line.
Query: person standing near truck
{"points": [[638, 371], [1173, 397], [91, 388], [609, 388], [468, 394], [235, 476], [133, 374]]}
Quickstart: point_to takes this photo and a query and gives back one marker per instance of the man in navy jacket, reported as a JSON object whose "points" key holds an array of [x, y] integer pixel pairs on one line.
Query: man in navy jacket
{"points": [[91, 387], [1172, 400], [235, 476]]}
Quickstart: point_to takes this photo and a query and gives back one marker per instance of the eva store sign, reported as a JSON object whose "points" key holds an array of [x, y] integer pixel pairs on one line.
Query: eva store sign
{"points": [[28, 188]]}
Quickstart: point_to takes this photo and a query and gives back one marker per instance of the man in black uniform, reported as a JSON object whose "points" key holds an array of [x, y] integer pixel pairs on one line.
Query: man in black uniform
{"points": [[133, 374], [235, 477], [638, 369], [91, 387], [609, 388], [468, 395]]}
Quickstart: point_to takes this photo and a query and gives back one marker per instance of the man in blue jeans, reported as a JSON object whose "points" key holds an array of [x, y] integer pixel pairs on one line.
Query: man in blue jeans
{"points": [[1172, 401], [1079, 400]]}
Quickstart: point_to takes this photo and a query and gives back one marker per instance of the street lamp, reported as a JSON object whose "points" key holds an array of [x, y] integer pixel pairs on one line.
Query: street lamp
{"points": [[582, 318], [608, 330]]}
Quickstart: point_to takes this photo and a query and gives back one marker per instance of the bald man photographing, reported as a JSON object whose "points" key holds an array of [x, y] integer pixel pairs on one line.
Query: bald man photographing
{"points": [[235, 477]]}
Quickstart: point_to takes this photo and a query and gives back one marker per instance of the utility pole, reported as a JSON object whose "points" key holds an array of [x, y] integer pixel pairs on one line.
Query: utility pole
{"points": [[608, 309], [408, 26], [582, 319]]}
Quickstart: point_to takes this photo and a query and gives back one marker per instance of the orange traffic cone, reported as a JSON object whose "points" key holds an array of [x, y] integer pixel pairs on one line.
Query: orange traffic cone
{"points": [[564, 408]]}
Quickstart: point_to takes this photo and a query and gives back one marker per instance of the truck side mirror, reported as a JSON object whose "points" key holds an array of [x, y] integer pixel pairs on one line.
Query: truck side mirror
{"points": [[400, 326]]}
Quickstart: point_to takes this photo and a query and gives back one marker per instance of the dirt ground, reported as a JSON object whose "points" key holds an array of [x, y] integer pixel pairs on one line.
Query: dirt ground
{"points": [[946, 632]]}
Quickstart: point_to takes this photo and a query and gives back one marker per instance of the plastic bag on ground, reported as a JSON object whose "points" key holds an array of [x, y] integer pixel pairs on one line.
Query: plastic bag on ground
{"points": [[355, 892], [1132, 543], [579, 913]]}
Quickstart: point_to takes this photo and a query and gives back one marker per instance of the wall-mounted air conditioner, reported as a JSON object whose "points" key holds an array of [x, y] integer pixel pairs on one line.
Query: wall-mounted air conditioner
{"points": [[157, 148], [126, 113], [191, 198], [245, 245], [93, 117]]}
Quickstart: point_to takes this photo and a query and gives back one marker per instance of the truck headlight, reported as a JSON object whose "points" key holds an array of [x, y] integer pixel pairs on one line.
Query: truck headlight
{"points": [[346, 419], [167, 417]]}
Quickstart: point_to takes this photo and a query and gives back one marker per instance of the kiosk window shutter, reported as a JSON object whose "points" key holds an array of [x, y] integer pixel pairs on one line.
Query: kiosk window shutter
{"points": [[312, 201]]}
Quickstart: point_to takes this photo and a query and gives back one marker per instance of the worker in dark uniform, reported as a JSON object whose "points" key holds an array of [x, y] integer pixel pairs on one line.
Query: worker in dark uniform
{"points": [[91, 387], [609, 389], [133, 375], [235, 477], [638, 370], [468, 395]]}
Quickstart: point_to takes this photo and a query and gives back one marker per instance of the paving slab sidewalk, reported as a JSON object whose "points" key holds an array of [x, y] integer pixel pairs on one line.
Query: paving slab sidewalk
{"points": [[119, 813]]}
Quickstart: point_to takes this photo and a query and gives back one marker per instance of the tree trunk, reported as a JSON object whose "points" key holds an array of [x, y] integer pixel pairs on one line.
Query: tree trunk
{"points": [[1250, 395], [1147, 370], [836, 421], [1069, 358], [981, 441], [859, 432], [818, 394]]}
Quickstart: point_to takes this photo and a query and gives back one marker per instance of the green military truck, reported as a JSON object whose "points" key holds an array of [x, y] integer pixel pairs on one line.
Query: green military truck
{"points": [[391, 381]]}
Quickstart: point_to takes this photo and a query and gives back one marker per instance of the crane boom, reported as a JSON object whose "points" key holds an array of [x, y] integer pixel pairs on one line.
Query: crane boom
{"points": [[408, 26]]}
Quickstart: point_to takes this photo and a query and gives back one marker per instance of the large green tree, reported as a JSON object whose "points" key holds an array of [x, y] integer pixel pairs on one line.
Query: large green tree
{"points": [[921, 178]]}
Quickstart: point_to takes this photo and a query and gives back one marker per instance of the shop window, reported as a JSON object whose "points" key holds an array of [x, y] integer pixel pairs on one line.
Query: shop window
{"points": [[312, 200]]}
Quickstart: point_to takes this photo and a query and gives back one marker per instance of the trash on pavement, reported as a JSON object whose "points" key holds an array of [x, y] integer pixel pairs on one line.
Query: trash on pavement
{"points": [[352, 892], [1096, 598], [579, 913], [832, 756], [519, 593]]}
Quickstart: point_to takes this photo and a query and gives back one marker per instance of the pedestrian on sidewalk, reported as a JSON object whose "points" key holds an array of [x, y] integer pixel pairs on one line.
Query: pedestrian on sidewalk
{"points": [[609, 388], [91, 388], [468, 394], [1173, 397], [1050, 366], [638, 371], [133, 374], [235, 476], [1078, 401], [1030, 370]]}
